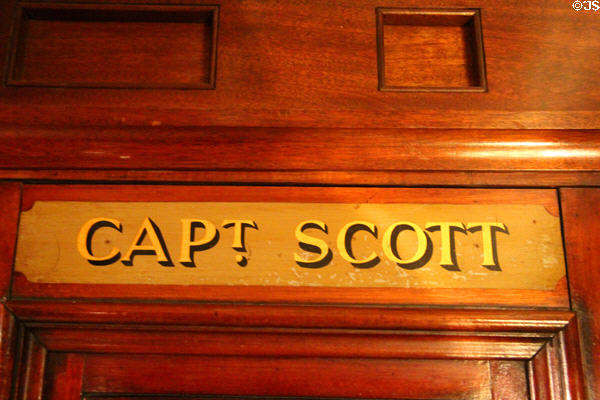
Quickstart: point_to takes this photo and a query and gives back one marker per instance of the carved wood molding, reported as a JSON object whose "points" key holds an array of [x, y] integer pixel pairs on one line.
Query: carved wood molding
{"points": [[546, 340], [298, 155]]}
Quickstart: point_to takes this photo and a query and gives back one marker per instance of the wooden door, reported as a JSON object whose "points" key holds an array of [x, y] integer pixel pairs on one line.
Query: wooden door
{"points": [[314, 104]]}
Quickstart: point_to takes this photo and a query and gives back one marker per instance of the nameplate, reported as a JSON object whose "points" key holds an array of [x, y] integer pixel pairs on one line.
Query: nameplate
{"points": [[291, 244]]}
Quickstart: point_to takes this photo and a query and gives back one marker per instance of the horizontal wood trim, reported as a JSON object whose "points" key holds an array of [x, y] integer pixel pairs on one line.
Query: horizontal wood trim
{"points": [[396, 178], [275, 194], [292, 149], [287, 343], [307, 295], [279, 316]]}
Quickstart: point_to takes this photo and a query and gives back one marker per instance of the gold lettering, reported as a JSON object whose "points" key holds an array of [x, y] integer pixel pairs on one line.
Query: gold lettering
{"points": [[157, 246], [239, 231], [448, 248], [422, 254], [313, 245], [188, 243], [344, 244], [488, 234], [84, 241]]}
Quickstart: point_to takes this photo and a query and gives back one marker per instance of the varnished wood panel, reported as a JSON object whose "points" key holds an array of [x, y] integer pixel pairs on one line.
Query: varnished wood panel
{"points": [[10, 199], [581, 210], [509, 380], [556, 371], [400, 379], [276, 69], [280, 316], [8, 350], [63, 376], [395, 178], [427, 50], [30, 382], [292, 343], [266, 367], [291, 153], [61, 45]]}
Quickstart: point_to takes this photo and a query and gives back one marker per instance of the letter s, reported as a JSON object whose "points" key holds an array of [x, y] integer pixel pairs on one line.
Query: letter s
{"points": [[313, 245]]}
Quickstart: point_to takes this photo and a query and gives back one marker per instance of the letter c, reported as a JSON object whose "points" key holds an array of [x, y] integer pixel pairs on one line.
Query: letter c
{"points": [[84, 241], [344, 245]]}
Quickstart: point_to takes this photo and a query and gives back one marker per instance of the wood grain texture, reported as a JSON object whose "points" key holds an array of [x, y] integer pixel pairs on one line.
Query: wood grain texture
{"points": [[277, 149], [306, 194], [276, 351], [30, 383], [395, 178], [572, 371], [321, 156], [428, 50], [10, 199], [8, 349], [329, 377], [64, 376], [62, 45], [581, 230], [407, 297], [289, 343], [509, 380], [540, 298], [280, 316], [544, 379], [556, 371], [275, 69]]}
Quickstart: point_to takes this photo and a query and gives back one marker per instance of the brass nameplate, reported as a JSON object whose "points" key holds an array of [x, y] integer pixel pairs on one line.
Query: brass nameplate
{"points": [[291, 244]]}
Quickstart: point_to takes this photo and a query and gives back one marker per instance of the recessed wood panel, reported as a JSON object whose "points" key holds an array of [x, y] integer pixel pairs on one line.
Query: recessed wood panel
{"points": [[313, 64], [304, 377], [109, 46], [430, 50]]}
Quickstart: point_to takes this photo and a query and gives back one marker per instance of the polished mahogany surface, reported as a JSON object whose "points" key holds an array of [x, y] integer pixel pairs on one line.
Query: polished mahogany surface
{"points": [[582, 229], [310, 63], [415, 157], [100, 100], [278, 351]]}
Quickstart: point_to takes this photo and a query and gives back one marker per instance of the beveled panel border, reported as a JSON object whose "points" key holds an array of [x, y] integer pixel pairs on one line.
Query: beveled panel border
{"points": [[24, 9], [433, 14], [547, 340]]}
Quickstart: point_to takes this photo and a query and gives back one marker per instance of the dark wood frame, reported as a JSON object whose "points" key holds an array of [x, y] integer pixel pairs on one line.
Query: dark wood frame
{"points": [[547, 340]]}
